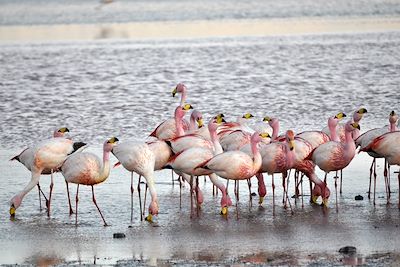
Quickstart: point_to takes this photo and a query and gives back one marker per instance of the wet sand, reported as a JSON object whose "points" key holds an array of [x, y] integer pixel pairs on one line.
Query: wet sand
{"points": [[311, 236], [198, 29]]}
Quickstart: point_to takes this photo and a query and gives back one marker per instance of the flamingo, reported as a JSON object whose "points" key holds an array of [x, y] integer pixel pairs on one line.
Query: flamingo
{"points": [[234, 135], [187, 160], [26, 158], [274, 124], [366, 138], [48, 154], [388, 146], [166, 129], [334, 156], [236, 165], [138, 157], [87, 169]]}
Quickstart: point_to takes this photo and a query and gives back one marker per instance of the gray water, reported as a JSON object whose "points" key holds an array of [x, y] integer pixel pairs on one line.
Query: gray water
{"points": [[26, 12]]}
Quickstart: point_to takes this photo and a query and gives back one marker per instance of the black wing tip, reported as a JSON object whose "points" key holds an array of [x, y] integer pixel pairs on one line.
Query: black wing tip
{"points": [[78, 145]]}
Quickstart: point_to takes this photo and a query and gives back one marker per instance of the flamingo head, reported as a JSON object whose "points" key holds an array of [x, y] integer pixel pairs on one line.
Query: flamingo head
{"points": [[393, 117], [214, 123], [258, 137], [290, 139], [247, 116], [351, 126], [317, 192], [198, 117], [219, 118], [357, 116], [153, 210], [271, 121], [110, 143], [180, 111], [15, 202], [60, 132], [333, 121], [180, 88]]}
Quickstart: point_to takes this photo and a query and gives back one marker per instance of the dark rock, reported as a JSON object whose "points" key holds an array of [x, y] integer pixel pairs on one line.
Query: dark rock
{"points": [[348, 250], [359, 197], [119, 235], [253, 194]]}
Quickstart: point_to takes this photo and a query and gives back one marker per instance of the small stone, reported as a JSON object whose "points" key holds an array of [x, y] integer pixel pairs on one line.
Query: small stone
{"points": [[359, 197], [348, 250], [130, 226], [119, 235], [253, 194]]}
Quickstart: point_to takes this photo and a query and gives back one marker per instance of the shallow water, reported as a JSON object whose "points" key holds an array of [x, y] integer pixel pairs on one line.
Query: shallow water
{"points": [[102, 89]]}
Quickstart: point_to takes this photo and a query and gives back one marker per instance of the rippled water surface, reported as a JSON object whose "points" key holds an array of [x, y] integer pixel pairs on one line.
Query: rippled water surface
{"points": [[102, 89], [25, 12]]}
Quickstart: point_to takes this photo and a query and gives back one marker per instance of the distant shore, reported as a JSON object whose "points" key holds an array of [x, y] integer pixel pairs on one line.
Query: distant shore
{"points": [[198, 29]]}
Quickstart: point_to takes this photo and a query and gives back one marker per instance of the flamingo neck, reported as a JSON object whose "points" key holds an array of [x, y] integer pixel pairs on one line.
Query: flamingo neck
{"points": [[179, 125], [257, 159], [332, 130], [192, 125], [275, 130], [105, 170], [392, 127], [349, 145], [290, 157], [183, 98], [215, 140]]}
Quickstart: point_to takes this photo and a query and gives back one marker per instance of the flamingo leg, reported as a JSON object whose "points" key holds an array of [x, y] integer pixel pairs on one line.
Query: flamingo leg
{"points": [[341, 181], [250, 196], [40, 197], [95, 203], [197, 197], [145, 198], [76, 205], [284, 190], [385, 173], [390, 192], [51, 191], [273, 195], [69, 199], [302, 192], [370, 178], [191, 196], [375, 181], [336, 178], [237, 198], [180, 192], [398, 178], [287, 197], [311, 195], [172, 176], [140, 198]]}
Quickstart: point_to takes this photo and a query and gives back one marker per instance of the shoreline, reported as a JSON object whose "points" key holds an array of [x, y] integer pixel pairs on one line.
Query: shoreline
{"points": [[197, 29]]}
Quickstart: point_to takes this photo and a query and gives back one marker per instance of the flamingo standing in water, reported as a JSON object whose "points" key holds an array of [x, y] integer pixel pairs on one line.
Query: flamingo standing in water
{"points": [[334, 156], [237, 165], [49, 154], [26, 158], [87, 169], [187, 160], [388, 146], [366, 138]]}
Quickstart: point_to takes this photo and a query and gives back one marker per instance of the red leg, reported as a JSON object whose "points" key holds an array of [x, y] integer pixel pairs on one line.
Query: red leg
{"points": [[370, 178], [69, 199], [51, 191], [76, 205], [95, 203]]}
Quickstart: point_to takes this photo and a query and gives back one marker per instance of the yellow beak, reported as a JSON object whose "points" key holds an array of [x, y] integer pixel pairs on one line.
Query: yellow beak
{"points": [[325, 202], [314, 199], [200, 123], [291, 144], [224, 211], [149, 218], [261, 200], [12, 211]]}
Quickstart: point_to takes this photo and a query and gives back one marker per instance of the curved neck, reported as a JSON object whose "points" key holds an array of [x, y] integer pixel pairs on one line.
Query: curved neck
{"points": [[290, 156], [183, 98], [105, 170], [275, 130], [192, 125], [257, 159]]}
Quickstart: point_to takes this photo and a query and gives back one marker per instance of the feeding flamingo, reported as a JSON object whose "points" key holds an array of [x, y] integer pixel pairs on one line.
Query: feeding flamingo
{"points": [[334, 156], [49, 154], [87, 169], [26, 158]]}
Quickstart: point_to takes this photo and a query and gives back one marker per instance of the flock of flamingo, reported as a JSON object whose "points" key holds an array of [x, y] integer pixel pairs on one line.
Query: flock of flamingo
{"points": [[228, 150]]}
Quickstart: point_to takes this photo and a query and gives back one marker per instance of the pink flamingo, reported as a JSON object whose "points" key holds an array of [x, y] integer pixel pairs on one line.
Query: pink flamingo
{"points": [[366, 138], [26, 158], [388, 146], [166, 129], [87, 169], [187, 160], [274, 124], [236, 165], [48, 154], [334, 156]]}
